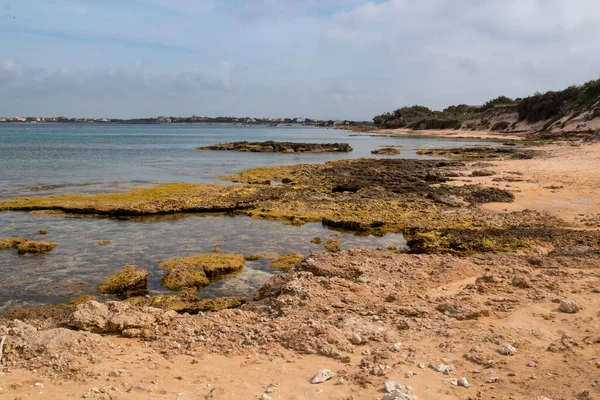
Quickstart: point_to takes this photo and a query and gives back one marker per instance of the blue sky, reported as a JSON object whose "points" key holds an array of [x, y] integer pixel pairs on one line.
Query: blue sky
{"points": [[341, 59]]}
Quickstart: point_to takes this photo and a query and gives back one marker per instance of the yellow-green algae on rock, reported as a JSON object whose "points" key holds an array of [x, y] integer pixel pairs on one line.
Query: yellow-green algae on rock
{"points": [[195, 271], [129, 280], [25, 246], [11, 243], [184, 276], [333, 245], [285, 262]]}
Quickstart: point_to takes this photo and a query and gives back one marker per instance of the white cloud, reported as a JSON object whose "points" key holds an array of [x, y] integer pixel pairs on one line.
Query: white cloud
{"points": [[319, 58]]}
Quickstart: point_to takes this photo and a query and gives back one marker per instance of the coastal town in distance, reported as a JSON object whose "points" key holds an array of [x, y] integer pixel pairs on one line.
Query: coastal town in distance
{"points": [[194, 119]]}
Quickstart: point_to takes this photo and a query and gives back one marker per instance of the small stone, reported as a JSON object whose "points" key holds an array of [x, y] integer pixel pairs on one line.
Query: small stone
{"points": [[493, 379], [462, 382], [596, 289], [389, 386], [322, 376], [531, 364], [114, 373], [409, 374], [356, 339], [507, 350], [444, 369], [542, 398], [421, 365], [396, 347], [265, 397], [569, 307]]}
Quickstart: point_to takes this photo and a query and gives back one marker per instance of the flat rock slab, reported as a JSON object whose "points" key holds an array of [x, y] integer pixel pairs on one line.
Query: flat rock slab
{"points": [[280, 147]]}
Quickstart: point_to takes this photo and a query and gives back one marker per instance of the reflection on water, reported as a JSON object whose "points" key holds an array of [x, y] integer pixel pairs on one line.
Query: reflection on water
{"points": [[78, 264]]}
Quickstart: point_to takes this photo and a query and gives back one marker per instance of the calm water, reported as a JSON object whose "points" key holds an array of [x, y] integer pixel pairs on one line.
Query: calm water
{"points": [[65, 158], [51, 159]]}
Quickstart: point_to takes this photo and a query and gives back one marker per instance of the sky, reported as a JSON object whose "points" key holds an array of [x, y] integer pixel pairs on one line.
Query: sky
{"points": [[326, 59]]}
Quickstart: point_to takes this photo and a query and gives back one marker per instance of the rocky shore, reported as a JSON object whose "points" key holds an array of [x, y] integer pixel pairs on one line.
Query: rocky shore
{"points": [[496, 296], [280, 147]]}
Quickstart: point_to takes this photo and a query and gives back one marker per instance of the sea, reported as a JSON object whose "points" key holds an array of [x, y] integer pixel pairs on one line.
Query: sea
{"points": [[51, 159]]}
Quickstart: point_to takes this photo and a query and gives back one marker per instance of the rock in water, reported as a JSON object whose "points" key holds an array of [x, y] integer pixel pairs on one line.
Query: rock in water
{"points": [[280, 147], [569, 307], [322, 376], [130, 281], [507, 350]]}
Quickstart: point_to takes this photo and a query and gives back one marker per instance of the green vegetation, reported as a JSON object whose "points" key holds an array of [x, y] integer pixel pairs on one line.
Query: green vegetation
{"points": [[550, 106], [554, 105], [500, 126]]}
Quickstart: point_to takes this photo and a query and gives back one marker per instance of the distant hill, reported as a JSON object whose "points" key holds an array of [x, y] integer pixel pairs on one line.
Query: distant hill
{"points": [[574, 109]]}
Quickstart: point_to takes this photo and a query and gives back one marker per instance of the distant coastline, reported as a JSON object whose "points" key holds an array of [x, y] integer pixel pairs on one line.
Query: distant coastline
{"points": [[245, 121]]}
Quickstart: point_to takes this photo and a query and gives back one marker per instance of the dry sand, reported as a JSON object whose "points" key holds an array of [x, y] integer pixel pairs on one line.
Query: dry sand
{"points": [[450, 133]]}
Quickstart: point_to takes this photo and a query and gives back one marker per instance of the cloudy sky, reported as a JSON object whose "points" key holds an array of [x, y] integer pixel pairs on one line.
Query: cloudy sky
{"points": [[341, 59]]}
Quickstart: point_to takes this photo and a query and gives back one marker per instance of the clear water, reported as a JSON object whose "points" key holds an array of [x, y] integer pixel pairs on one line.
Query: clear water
{"points": [[51, 159], [67, 158]]}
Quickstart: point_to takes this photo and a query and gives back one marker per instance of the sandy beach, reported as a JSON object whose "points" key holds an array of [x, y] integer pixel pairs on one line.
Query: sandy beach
{"points": [[502, 325]]}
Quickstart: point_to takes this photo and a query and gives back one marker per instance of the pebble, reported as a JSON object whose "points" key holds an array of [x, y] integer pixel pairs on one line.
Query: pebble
{"points": [[531, 364], [463, 383], [421, 365], [396, 347], [444, 369], [569, 307], [507, 350], [322, 376], [493, 379], [356, 339], [409, 374], [542, 398], [389, 386], [265, 397], [596, 289], [115, 373]]}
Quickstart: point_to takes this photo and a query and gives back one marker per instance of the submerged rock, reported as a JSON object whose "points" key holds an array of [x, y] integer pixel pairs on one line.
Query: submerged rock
{"points": [[280, 147], [130, 281], [287, 261], [386, 151]]}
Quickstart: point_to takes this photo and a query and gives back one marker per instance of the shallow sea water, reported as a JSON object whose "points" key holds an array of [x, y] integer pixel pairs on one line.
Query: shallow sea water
{"points": [[51, 159], [78, 264]]}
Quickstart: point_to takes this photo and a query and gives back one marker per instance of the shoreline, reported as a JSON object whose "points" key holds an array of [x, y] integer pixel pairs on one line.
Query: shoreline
{"points": [[347, 311]]}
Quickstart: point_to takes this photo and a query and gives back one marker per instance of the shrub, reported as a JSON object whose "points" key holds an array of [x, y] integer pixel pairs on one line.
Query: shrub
{"points": [[501, 126]]}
